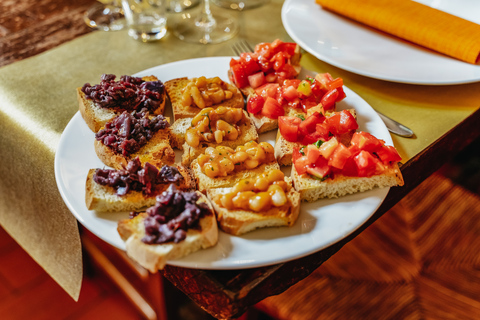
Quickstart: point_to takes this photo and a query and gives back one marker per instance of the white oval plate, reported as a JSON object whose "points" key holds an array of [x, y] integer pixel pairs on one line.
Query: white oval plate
{"points": [[319, 225], [359, 49]]}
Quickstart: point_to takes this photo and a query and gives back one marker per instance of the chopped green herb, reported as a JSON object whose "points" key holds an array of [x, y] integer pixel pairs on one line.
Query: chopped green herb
{"points": [[319, 143], [301, 150], [301, 116], [320, 179], [310, 79]]}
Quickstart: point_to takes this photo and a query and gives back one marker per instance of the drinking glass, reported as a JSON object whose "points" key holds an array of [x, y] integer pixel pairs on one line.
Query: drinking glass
{"points": [[146, 20], [205, 28], [105, 15]]}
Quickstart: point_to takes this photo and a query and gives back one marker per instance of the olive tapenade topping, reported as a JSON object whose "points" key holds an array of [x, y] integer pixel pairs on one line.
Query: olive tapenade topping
{"points": [[137, 178], [130, 93], [174, 213], [128, 132]]}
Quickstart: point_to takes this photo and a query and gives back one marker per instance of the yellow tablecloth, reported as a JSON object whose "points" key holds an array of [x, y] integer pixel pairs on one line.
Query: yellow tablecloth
{"points": [[37, 99]]}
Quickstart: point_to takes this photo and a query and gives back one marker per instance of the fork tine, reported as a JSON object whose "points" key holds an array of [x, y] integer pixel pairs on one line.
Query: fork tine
{"points": [[241, 46]]}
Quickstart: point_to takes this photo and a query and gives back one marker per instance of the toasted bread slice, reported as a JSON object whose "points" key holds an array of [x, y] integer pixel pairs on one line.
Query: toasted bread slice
{"points": [[311, 189], [284, 148], [174, 89], [157, 151], [238, 222], [154, 257], [179, 128], [104, 198], [205, 183], [96, 117]]}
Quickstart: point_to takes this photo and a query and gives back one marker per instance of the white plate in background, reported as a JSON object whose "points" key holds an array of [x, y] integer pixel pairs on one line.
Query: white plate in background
{"points": [[360, 49]]}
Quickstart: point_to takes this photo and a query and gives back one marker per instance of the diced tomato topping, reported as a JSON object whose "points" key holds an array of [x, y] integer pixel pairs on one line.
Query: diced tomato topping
{"points": [[296, 153], [335, 84], [388, 154], [329, 99], [255, 104], [256, 80], [312, 153], [289, 93], [339, 156], [319, 172], [311, 138], [288, 127], [323, 79], [341, 122], [327, 148], [367, 164], [301, 165], [309, 124], [323, 131], [272, 109], [239, 77], [365, 141], [268, 90], [341, 94]]}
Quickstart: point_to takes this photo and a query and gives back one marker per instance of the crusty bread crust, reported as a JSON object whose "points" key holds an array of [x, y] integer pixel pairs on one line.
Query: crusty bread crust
{"points": [[311, 189], [238, 222], [205, 183], [96, 117], [174, 89], [103, 198], [153, 257], [157, 151]]}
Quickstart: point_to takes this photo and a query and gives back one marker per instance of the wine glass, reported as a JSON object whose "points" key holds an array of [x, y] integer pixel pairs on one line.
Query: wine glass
{"points": [[240, 4], [205, 28], [106, 15]]}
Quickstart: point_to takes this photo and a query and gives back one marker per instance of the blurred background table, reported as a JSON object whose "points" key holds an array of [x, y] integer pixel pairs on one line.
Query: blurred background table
{"points": [[52, 33]]}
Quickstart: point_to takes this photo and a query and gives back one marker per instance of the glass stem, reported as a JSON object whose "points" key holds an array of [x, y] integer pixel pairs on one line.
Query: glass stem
{"points": [[206, 19]]}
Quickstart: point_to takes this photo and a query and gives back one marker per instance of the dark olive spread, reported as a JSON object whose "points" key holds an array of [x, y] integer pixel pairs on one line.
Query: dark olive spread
{"points": [[137, 178], [128, 132], [174, 213], [130, 93]]}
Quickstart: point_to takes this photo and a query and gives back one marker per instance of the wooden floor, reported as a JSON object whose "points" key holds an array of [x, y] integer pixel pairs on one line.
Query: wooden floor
{"points": [[27, 292]]}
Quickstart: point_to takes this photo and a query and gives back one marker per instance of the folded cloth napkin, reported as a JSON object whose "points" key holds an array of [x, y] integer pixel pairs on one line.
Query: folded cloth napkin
{"points": [[415, 22]]}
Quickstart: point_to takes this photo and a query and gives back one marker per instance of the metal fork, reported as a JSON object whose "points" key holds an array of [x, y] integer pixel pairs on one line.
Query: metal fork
{"points": [[393, 126]]}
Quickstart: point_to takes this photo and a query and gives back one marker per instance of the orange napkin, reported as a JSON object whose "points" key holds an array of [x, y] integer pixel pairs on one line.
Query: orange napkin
{"points": [[415, 22]]}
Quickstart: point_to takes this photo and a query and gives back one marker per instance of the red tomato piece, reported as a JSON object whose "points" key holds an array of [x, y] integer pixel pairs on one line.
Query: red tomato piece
{"points": [[323, 131], [311, 138], [289, 93], [268, 90], [309, 125], [255, 104], [339, 156], [291, 82], [367, 164], [334, 84], [272, 109], [288, 127], [329, 99], [256, 80], [301, 165], [312, 153], [347, 122], [249, 63], [365, 141], [388, 154], [279, 60], [296, 154], [323, 79], [288, 47], [239, 76], [341, 94]]}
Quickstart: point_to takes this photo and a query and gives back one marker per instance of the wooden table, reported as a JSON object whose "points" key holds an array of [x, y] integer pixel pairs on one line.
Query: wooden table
{"points": [[30, 28]]}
